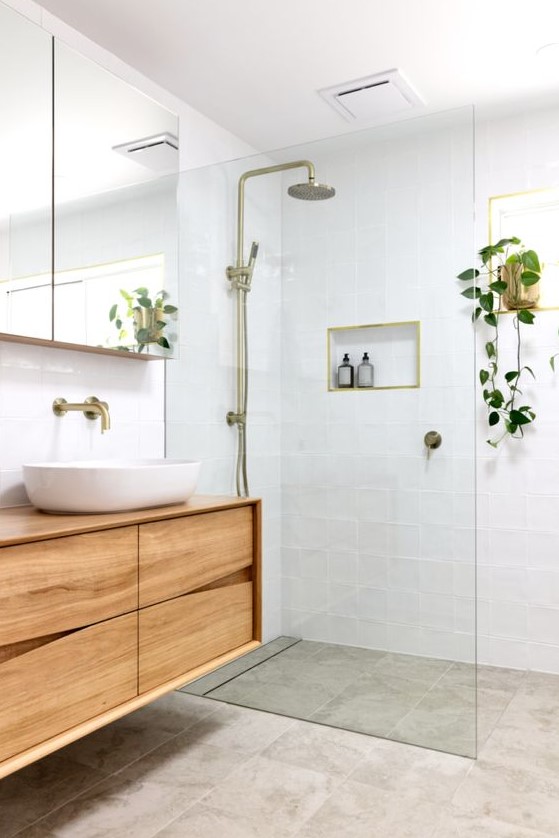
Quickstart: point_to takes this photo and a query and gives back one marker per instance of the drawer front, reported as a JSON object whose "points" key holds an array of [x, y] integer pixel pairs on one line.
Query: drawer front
{"points": [[188, 553], [66, 682], [64, 583], [183, 633]]}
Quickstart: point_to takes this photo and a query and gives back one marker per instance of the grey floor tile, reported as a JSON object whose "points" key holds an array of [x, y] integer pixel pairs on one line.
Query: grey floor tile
{"points": [[39, 788], [454, 826], [453, 734], [373, 715], [113, 747], [118, 806], [327, 750], [363, 811], [396, 767], [412, 667], [200, 821], [297, 701], [240, 728], [269, 791]]}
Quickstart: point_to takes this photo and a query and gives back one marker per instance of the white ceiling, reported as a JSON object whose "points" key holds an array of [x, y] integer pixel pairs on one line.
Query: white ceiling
{"points": [[255, 66]]}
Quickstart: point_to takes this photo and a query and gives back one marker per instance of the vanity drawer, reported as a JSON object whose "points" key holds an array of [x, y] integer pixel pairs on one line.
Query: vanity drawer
{"points": [[67, 681], [64, 583], [181, 634], [188, 553]]}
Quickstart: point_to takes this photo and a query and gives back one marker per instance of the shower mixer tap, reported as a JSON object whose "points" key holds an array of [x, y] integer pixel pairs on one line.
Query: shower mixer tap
{"points": [[241, 276]]}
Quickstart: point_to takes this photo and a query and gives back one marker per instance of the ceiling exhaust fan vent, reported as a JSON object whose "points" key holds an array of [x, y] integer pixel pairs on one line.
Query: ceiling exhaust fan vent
{"points": [[372, 98], [159, 153]]}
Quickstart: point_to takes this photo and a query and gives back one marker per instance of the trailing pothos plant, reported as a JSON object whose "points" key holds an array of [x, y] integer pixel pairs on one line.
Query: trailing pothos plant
{"points": [[508, 272]]}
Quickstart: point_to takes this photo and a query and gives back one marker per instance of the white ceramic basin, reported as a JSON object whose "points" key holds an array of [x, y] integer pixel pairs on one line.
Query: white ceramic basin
{"points": [[109, 485]]}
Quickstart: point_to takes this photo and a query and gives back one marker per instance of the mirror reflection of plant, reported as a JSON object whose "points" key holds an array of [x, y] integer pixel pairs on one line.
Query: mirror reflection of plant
{"points": [[139, 303], [502, 394]]}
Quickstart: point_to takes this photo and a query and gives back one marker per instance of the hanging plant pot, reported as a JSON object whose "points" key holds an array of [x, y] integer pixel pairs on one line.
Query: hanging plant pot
{"points": [[517, 296]]}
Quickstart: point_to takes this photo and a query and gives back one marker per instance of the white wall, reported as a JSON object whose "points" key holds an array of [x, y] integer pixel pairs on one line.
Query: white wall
{"points": [[378, 538], [518, 485], [31, 377]]}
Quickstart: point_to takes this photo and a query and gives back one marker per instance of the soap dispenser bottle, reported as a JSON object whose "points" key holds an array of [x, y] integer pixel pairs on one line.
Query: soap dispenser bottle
{"points": [[365, 372], [345, 373]]}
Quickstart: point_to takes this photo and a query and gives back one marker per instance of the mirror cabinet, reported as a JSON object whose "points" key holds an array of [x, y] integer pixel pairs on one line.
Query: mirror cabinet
{"points": [[88, 202]]}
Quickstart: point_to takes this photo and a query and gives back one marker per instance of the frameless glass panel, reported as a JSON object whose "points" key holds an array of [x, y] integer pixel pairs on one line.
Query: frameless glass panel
{"points": [[25, 176], [373, 506], [115, 212]]}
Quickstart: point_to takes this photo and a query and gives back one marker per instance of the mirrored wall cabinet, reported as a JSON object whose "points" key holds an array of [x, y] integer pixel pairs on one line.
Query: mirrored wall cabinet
{"points": [[88, 203]]}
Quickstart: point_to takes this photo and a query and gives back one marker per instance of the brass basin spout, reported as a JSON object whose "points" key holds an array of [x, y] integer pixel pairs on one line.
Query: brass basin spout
{"points": [[92, 408]]}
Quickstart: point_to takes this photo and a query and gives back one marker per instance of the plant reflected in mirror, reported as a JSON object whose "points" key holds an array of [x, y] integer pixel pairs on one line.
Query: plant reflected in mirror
{"points": [[143, 316]]}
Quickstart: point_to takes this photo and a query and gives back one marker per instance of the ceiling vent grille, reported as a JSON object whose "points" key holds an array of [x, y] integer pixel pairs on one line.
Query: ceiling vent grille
{"points": [[372, 98], [158, 153]]}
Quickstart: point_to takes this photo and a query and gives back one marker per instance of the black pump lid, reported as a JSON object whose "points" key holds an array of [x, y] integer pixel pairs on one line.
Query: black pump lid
{"points": [[365, 356], [346, 358]]}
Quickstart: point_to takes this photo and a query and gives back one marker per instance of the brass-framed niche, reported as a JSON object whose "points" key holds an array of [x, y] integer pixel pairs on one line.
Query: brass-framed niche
{"points": [[394, 350]]}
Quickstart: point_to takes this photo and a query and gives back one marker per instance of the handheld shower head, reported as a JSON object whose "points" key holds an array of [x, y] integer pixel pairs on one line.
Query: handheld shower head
{"points": [[311, 191]]}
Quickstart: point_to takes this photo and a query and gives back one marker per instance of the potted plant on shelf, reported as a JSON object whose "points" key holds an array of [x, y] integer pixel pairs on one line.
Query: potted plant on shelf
{"points": [[148, 318], [509, 276]]}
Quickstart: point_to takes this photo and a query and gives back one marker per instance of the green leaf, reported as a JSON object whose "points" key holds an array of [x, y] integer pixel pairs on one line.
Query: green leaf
{"points": [[141, 292], [112, 312], [500, 286], [517, 417], [476, 313], [145, 302], [160, 324], [490, 349], [504, 242], [510, 376], [483, 377], [164, 343], [118, 323], [525, 316], [530, 261], [169, 309], [126, 295], [490, 319], [142, 335], [511, 427], [530, 370], [552, 362], [472, 292], [486, 301], [492, 443], [471, 273], [528, 278], [494, 418]]}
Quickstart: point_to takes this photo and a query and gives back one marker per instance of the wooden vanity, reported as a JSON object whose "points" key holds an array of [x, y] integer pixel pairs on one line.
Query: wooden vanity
{"points": [[101, 614]]}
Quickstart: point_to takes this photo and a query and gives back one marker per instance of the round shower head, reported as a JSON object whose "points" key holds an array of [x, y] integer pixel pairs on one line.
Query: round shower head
{"points": [[311, 191]]}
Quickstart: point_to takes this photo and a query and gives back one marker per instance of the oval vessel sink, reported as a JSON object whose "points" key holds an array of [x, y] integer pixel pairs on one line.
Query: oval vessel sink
{"points": [[109, 485]]}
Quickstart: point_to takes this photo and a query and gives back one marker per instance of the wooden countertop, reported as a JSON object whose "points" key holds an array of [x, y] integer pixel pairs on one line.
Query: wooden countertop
{"points": [[22, 524]]}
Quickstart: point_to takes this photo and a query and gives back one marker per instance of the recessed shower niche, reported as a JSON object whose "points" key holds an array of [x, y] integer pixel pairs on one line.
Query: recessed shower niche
{"points": [[393, 350]]}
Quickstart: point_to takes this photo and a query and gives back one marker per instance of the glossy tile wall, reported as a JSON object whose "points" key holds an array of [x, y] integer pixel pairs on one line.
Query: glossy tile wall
{"points": [[201, 383], [379, 538], [518, 501]]}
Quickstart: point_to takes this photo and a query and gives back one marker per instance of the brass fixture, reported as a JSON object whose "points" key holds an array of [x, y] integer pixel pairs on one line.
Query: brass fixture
{"points": [[240, 277], [432, 440], [92, 408]]}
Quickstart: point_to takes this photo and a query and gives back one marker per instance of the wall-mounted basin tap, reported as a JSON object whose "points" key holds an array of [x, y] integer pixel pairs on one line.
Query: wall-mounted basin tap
{"points": [[92, 408]]}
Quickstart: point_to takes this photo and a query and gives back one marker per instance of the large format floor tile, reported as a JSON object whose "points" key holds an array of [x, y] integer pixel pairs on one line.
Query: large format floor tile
{"points": [[232, 772]]}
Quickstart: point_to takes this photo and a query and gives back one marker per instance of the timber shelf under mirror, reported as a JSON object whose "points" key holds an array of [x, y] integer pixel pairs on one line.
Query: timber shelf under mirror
{"points": [[393, 349], [102, 614]]}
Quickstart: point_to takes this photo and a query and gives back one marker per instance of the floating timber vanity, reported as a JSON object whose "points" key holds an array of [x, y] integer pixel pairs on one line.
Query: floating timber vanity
{"points": [[101, 614]]}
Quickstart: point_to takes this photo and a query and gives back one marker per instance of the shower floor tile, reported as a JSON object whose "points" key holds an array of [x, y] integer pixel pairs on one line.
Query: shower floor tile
{"points": [[421, 701]]}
